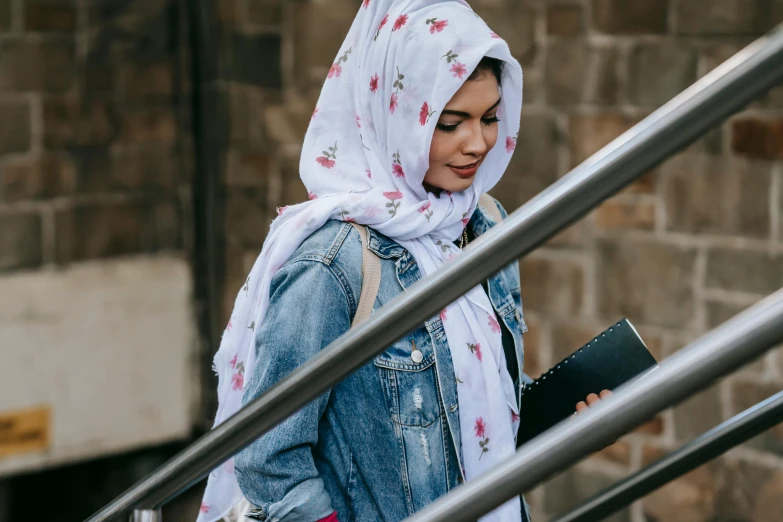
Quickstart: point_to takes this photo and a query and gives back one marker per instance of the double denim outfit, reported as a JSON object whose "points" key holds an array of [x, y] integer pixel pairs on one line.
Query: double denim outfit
{"points": [[383, 443]]}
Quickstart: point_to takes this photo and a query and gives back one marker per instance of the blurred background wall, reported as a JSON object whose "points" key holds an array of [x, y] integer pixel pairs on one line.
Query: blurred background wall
{"points": [[97, 300], [104, 153]]}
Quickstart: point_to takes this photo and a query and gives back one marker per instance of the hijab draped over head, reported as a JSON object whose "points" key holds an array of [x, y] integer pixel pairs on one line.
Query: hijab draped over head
{"points": [[363, 160]]}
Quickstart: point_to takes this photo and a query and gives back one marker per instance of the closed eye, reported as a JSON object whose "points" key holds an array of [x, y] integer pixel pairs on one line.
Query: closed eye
{"points": [[449, 128]]}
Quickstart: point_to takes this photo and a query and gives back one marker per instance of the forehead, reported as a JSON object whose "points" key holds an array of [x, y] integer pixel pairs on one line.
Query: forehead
{"points": [[476, 96]]}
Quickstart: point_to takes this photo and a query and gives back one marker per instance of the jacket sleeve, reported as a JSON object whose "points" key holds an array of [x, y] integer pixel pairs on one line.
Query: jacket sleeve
{"points": [[308, 309]]}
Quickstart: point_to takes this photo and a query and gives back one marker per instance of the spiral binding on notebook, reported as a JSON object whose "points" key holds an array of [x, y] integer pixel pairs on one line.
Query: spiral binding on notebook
{"points": [[594, 340]]}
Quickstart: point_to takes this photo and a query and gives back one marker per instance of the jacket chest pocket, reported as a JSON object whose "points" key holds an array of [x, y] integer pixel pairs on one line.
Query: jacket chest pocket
{"points": [[407, 373], [410, 386]]}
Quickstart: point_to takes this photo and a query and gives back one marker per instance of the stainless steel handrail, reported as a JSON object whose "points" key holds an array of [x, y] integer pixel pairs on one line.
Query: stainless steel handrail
{"points": [[733, 432], [719, 352], [719, 94]]}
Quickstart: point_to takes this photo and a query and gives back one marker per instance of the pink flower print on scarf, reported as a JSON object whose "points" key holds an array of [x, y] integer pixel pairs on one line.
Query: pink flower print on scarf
{"points": [[398, 86], [366, 4], [336, 69], [424, 114], [238, 379], [511, 143], [374, 83], [437, 25], [425, 209], [204, 508], [315, 111], [393, 203], [359, 121], [397, 165], [493, 323], [233, 361], [345, 217], [514, 416], [383, 23], [465, 219], [280, 210], [480, 428], [311, 196], [495, 36], [458, 69], [369, 173], [329, 158], [475, 349], [402, 20], [443, 315]]}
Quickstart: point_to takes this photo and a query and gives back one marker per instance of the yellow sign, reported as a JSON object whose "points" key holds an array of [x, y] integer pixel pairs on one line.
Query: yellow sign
{"points": [[23, 431]]}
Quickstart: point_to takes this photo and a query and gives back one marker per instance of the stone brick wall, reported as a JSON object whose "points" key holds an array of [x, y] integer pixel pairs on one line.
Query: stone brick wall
{"points": [[250, 36], [92, 161], [95, 163], [690, 244]]}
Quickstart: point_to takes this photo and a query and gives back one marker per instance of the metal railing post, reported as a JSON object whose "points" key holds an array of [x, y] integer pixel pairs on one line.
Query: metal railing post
{"points": [[719, 94], [733, 432], [719, 352], [147, 515]]}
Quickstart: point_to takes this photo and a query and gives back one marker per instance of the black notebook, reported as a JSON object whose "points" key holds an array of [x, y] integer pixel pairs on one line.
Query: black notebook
{"points": [[615, 357]]}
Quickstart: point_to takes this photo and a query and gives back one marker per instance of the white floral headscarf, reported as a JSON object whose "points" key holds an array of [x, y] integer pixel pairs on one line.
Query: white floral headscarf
{"points": [[363, 160]]}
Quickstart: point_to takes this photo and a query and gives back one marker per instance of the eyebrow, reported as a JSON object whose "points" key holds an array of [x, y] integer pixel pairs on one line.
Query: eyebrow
{"points": [[467, 115]]}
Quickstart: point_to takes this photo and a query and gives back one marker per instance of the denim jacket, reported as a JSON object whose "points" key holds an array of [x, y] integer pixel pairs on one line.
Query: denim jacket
{"points": [[383, 443]]}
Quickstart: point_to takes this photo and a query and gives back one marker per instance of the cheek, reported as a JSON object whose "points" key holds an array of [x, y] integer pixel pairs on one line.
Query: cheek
{"points": [[491, 136], [439, 149]]}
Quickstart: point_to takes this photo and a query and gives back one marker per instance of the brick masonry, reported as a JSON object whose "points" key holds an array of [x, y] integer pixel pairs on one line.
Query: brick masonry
{"points": [[95, 163], [693, 242], [93, 138]]}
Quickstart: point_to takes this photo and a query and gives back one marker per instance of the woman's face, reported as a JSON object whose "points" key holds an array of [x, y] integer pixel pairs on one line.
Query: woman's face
{"points": [[467, 130]]}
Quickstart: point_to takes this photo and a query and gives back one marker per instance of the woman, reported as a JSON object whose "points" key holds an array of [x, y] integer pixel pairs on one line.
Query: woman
{"points": [[403, 141]]}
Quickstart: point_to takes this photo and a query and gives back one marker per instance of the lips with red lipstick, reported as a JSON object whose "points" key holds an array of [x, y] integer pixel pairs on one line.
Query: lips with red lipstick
{"points": [[467, 170]]}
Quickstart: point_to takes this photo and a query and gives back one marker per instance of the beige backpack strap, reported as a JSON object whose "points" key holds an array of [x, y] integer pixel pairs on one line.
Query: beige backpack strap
{"points": [[487, 202], [371, 278]]}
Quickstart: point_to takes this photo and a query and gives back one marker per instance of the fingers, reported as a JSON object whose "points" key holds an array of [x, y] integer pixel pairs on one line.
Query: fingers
{"points": [[591, 400]]}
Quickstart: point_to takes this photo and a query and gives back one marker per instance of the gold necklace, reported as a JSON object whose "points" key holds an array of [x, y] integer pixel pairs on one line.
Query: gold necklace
{"points": [[463, 240]]}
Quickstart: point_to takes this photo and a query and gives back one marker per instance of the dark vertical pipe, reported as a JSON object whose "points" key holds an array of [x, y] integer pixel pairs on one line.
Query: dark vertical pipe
{"points": [[207, 121]]}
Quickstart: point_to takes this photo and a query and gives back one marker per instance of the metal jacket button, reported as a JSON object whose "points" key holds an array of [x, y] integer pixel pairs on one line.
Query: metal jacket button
{"points": [[416, 355]]}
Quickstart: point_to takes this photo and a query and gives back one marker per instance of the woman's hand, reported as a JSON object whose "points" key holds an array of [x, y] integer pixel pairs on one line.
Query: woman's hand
{"points": [[591, 400]]}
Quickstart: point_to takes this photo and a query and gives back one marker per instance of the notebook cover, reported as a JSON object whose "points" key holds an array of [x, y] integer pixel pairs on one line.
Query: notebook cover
{"points": [[613, 358]]}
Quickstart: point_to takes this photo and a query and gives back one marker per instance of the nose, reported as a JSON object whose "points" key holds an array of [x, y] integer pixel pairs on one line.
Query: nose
{"points": [[475, 144]]}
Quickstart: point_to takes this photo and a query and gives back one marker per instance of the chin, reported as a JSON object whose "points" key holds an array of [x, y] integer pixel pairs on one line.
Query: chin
{"points": [[458, 184]]}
